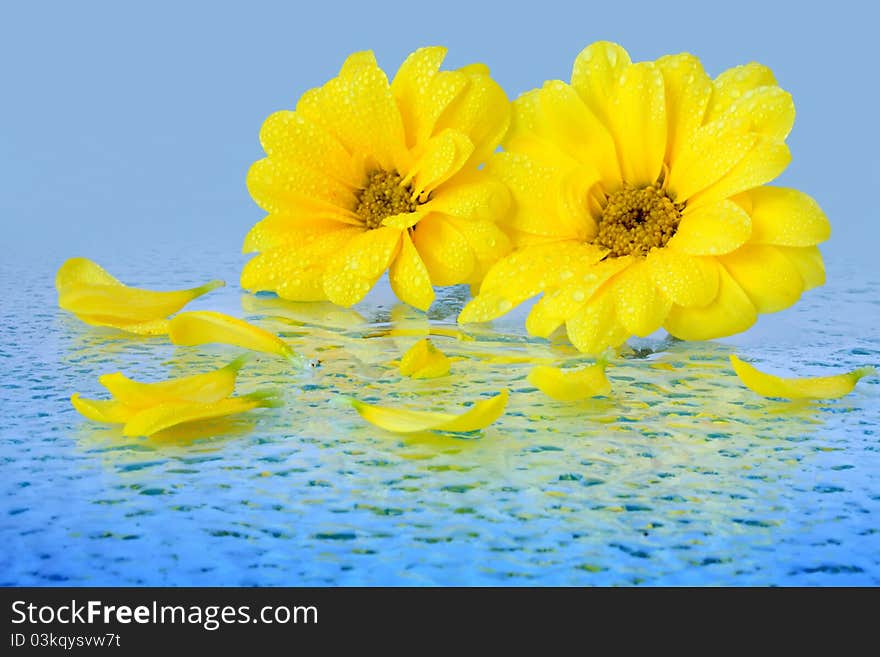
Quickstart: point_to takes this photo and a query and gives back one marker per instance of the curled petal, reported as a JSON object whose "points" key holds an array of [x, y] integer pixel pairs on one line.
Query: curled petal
{"points": [[478, 416], [87, 290], [207, 327], [424, 361], [169, 414], [784, 217], [353, 271], [820, 387], [409, 277], [109, 411], [201, 388], [571, 385]]}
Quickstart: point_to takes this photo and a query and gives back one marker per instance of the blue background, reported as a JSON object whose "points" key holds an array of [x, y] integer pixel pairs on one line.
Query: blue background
{"points": [[119, 120]]}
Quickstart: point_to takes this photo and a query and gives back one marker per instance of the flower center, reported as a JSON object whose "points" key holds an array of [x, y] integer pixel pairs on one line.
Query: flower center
{"points": [[634, 221], [383, 196]]}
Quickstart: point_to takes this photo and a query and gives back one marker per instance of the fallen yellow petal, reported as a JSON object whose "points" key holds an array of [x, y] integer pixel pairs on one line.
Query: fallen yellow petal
{"points": [[424, 361], [820, 387], [169, 414], [571, 385], [201, 388], [478, 416], [109, 411], [206, 326], [88, 291]]}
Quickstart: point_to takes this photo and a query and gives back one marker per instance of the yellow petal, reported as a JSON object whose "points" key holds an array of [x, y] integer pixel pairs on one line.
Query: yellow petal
{"points": [[296, 273], [279, 185], [356, 267], [481, 112], [443, 157], [409, 277], [153, 327], [638, 120], [712, 229], [169, 414], [686, 280], [784, 217], [571, 385], [209, 327], [478, 416], [713, 151], [202, 388], [734, 83], [687, 90], [424, 361], [767, 111], [595, 74], [640, 306], [820, 387], [109, 411], [444, 250], [731, 312], [596, 327], [84, 288], [764, 161], [487, 242], [808, 261], [769, 279], [286, 135], [423, 92], [295, 230], [560, 305], [477, 197], [526, 273]]}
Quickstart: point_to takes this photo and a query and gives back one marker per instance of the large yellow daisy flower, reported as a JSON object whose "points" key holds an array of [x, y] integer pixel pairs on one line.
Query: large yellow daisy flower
{"points": [[366, 176], [640, 202]]}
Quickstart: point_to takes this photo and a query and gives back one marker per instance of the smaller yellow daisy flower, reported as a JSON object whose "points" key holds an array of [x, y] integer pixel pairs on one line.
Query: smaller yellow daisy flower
{"points": [[366, 177], [641, 202]]}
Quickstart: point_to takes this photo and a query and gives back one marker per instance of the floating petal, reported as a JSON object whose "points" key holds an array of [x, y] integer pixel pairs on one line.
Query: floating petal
{"points": [[206, 327], [820, 387], [424, 361], [571, 385], [478, 416]]}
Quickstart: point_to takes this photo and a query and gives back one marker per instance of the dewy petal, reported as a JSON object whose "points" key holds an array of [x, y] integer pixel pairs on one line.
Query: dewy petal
{"points": [[596, 327], [409, 277], [688, 90], [784, 217], [526, 273], [109, 411], [638, 121], [423, 91], [712, 229], [424, 361], [202, 388], [595, 74], [820, 387], [286, 135], [288, 185], [85, 289], [478, 416], [481, 112], [640, 306], [766, 159], [353, 271], [209, 327], [152, 327], [359, 110], [687, 280], [475, 196], [296, 273], [443, 157], [294, 231], [766, 111], [808, 261], [487, 242], [733, 83], [169, 414], [444, 250], [731, 312], [571, 385], [558, 306], [770, 279]]}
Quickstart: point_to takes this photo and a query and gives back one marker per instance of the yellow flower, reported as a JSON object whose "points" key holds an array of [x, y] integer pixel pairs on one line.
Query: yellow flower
{"points": [[148, 408], [480, 415], [641, 202], [366, 176], [97, 298], [819, 387]]}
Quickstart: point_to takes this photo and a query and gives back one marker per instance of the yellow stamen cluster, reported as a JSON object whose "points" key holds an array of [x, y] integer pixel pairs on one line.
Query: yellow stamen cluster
{"points": [[634, 221], [384, 196]]}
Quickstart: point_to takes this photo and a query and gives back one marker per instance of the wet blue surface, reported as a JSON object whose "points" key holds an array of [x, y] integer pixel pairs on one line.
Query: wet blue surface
{"points": [[682, 476]]}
